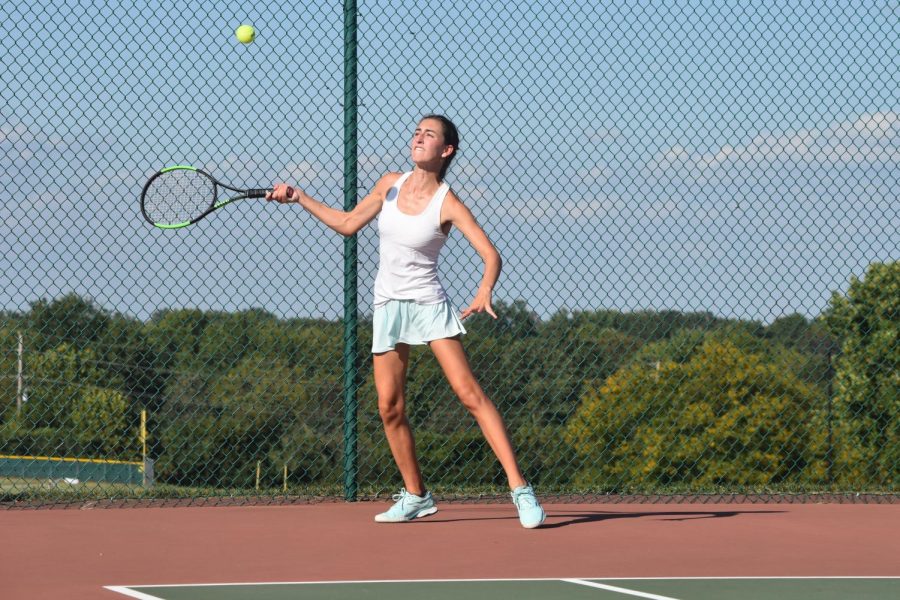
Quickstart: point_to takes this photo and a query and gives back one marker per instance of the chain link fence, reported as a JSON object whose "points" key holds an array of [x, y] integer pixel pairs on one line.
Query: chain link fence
{"points": [[696, 204]]}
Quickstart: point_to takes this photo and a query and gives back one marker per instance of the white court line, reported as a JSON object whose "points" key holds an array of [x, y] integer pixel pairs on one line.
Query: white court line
{"points": [[743, 577], [593, 577], [323, 582], [127, 592], [612, 588]]}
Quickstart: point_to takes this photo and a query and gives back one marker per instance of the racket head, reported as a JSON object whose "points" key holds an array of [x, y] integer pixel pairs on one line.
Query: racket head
{"points": [[178, 196]]}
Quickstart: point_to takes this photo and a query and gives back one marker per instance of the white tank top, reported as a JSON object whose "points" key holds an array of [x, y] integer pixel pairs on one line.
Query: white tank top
{"points": [[408, 250]]}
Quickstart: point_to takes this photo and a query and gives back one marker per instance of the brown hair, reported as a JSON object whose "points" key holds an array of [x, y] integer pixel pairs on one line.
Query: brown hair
{"points": [[451, 138]]}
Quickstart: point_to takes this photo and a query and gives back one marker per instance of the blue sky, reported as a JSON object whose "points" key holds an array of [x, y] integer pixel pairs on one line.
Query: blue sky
{"points": [[737, 158]]}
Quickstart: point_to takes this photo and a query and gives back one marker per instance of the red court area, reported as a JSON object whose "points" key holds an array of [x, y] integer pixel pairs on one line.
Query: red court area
{"points": [[71, 553]]}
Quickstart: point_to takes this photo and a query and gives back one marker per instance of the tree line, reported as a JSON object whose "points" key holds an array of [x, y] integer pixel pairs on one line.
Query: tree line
{"points": [[596, 401]]}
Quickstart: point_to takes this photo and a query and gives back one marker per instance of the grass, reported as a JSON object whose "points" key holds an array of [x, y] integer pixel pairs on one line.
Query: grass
{"points": [[31, 492]]}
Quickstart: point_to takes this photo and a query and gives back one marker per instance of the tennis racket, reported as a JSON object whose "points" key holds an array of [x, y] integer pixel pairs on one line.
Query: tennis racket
{"points": [[181, 195]]}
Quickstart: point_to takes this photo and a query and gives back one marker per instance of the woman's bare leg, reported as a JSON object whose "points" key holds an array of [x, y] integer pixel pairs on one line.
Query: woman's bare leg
{"points": [[390, 383], [449, 353]]}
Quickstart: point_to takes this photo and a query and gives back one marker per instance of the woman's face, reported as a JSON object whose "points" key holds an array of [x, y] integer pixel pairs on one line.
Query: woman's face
{"points": [[427, 145]]}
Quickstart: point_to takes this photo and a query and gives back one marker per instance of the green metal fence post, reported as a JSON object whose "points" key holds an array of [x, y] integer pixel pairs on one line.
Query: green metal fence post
{"points": [[350, 284]]}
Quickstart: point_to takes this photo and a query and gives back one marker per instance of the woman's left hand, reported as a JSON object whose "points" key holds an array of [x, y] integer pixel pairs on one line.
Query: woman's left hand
{"points": [[481, 303]]}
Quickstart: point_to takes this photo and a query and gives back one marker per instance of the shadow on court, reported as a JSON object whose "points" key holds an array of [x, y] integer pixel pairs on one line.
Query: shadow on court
{"points": [[584, 517], [593, 517]]}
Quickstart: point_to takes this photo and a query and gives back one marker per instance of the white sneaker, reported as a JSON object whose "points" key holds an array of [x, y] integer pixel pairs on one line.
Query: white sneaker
{"points": [[531, 514], [407, 507]]}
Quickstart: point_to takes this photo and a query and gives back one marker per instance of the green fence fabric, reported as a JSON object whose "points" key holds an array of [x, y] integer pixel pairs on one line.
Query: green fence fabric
{"points": [[696, 205]]}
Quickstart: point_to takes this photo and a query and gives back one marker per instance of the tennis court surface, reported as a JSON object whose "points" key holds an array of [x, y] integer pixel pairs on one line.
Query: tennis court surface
{"points": [[335, 550], [537, 589]]}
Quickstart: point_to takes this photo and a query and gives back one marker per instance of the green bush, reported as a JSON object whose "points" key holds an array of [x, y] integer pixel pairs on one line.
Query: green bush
{"points": [[867, 379], [458, 458], [545, 459], [210, 450], [309, 456], [18, 440], [723, 418], [100, 417], [56, 380]]}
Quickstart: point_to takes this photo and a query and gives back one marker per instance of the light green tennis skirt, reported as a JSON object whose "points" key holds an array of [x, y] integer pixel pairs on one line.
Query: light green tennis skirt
{"points": [[406, 322]]}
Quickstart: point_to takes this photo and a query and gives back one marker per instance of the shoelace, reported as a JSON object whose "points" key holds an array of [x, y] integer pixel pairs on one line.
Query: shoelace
{"points": [[403, 496], [526, 498]]}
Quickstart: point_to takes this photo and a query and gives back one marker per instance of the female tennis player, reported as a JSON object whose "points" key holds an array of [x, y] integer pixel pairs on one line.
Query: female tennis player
{"points": [[416, 211]]}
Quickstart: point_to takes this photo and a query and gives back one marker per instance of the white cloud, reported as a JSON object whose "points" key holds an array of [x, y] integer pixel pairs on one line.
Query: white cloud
{"points": [[302, 172], [598, 172], [681, 175], [466, 169], [871, 138], [477, 193], [663, 209], [606, 135], [542, 209], [33, 138], [376, 162]]}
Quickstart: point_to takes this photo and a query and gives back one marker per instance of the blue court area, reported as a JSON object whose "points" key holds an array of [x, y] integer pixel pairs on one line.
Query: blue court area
{"points": [[801, 588]]}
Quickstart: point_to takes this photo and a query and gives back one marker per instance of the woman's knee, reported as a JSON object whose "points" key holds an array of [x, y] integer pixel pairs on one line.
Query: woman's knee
{"points": [[391, 408], [472, 396]]}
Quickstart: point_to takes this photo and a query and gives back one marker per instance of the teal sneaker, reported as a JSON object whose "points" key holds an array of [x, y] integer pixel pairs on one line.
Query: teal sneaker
{"points": [[530, 512], [408, 507]]}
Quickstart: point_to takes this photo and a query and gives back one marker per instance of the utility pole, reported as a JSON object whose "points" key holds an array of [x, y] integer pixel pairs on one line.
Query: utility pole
{"points": [[20, 377]]}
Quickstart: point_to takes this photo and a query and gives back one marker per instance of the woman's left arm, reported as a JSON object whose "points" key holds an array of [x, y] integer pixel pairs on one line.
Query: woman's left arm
{"points": [[455, 212]]}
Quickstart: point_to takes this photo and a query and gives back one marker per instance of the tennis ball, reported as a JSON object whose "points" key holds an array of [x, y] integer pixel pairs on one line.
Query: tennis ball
{"points": [[245, 34]]}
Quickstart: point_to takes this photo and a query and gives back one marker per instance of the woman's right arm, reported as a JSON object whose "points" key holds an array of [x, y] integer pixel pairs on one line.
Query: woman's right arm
{"points": [[343, 222]]}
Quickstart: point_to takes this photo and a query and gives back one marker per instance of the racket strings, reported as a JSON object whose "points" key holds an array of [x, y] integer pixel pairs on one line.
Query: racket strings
{"points": [[178, 196]]}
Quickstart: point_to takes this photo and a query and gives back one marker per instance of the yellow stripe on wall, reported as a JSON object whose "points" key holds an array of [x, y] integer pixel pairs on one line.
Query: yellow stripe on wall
{"points": [[84, 460]]}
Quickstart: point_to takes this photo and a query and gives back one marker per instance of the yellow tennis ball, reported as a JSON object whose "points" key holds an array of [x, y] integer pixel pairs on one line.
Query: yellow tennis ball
{"points": [[245, 34]]}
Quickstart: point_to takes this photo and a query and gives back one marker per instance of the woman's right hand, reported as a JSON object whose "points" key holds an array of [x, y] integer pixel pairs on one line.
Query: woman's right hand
{"points": [[284, 194]]}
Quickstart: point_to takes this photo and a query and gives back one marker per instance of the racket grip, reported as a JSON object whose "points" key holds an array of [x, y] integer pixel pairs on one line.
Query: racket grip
{"points": [[259, 193]]}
